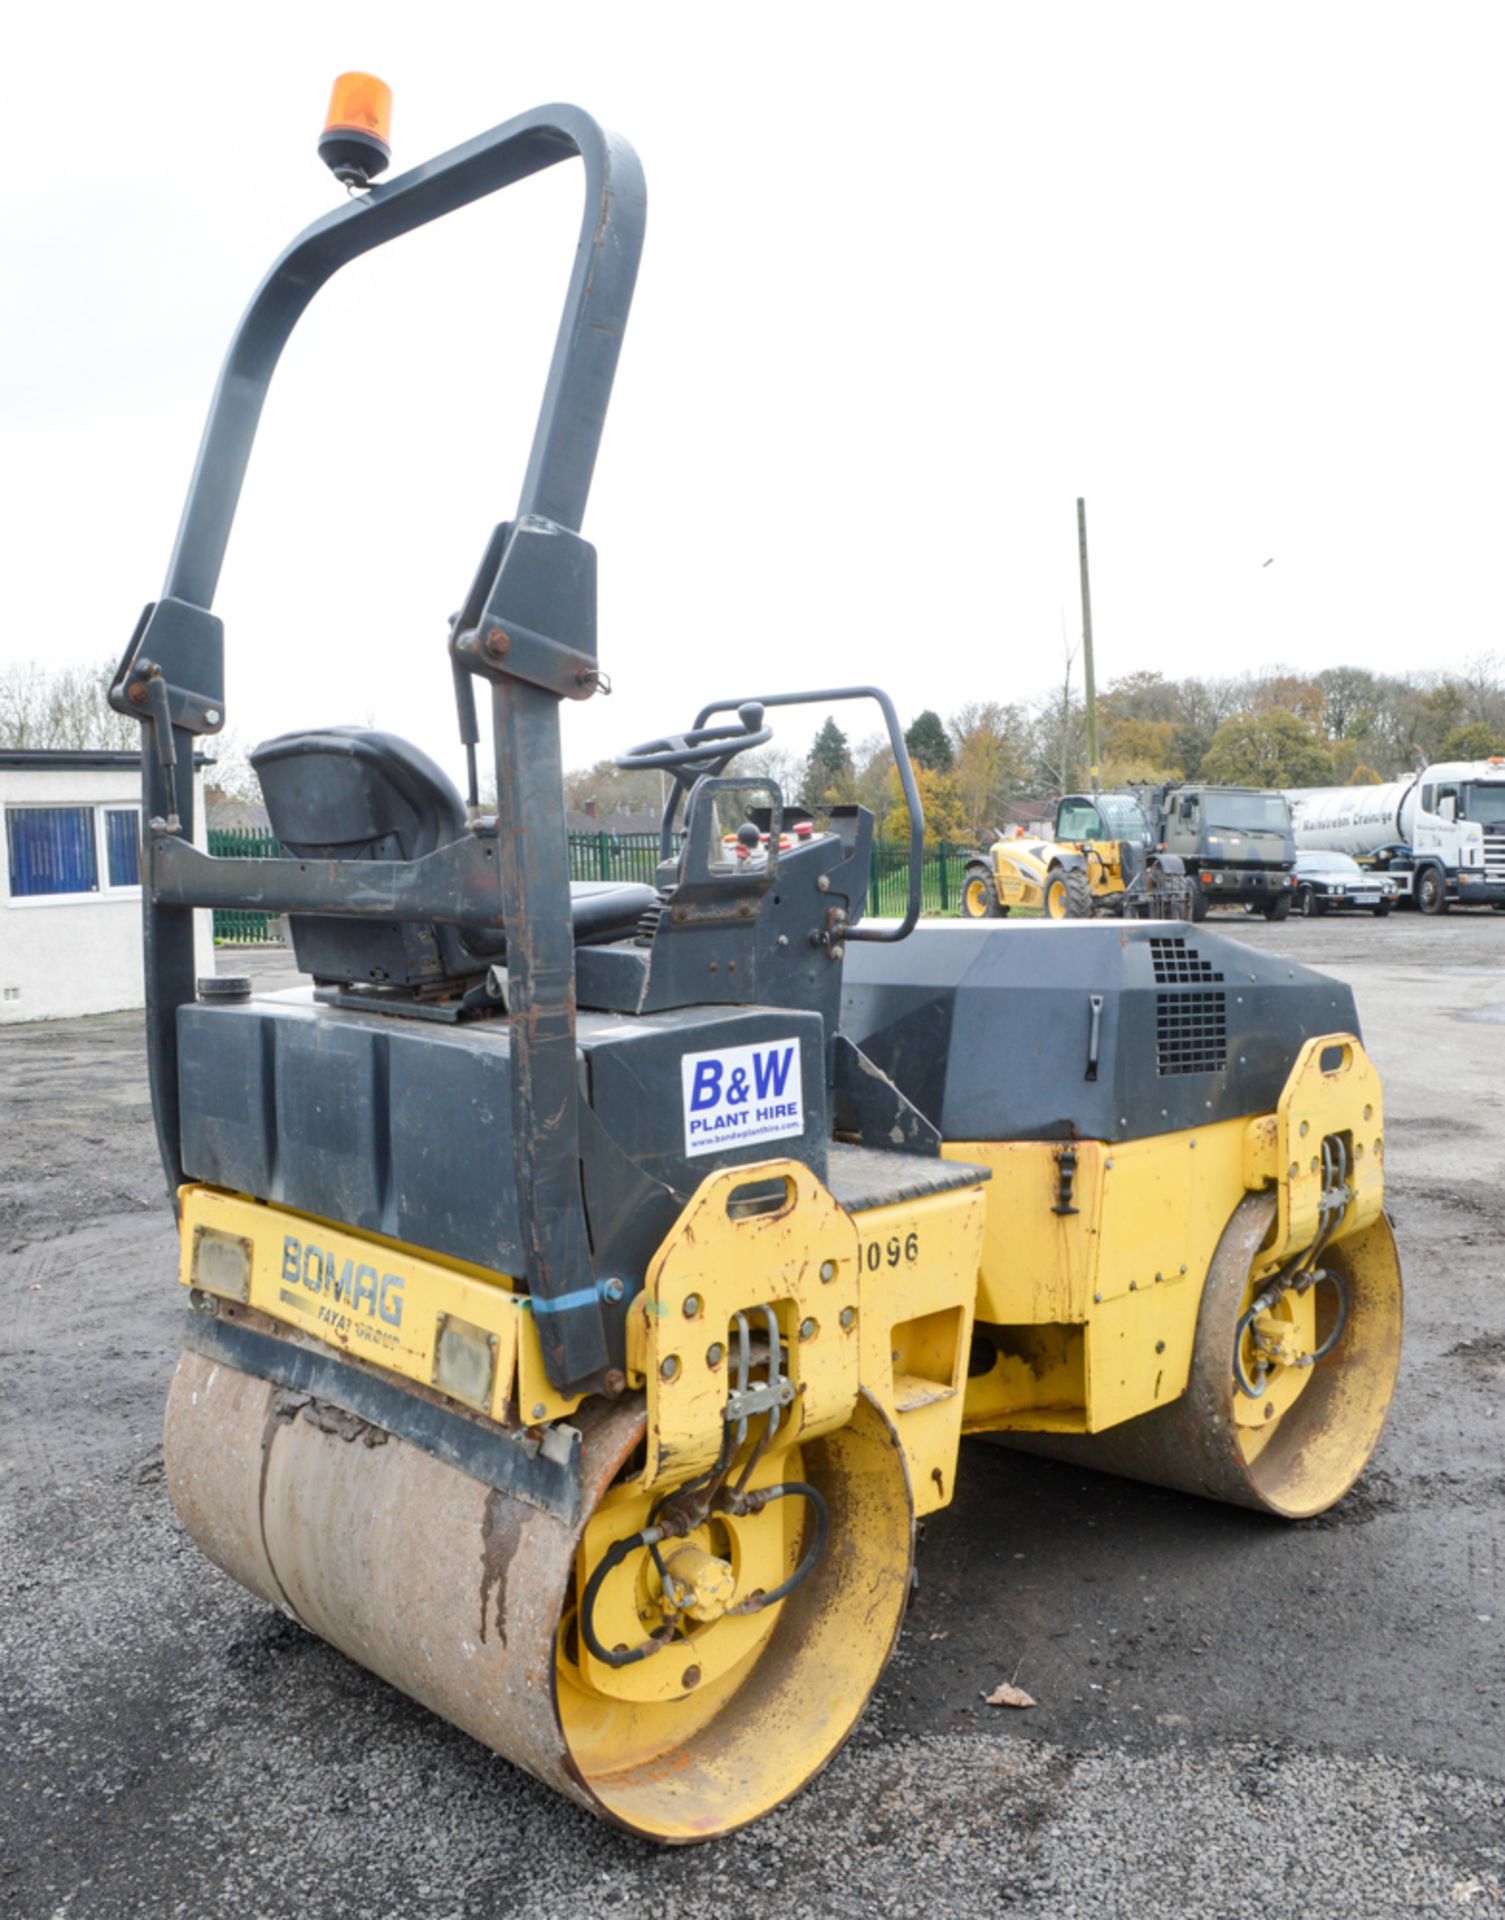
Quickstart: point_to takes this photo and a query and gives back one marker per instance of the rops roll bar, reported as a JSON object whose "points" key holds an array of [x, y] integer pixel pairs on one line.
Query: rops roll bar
{"points": [[539, 594]]}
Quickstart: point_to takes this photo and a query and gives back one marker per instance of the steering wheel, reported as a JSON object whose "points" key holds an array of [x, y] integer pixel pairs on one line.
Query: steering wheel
{"points": [[702, 749]]}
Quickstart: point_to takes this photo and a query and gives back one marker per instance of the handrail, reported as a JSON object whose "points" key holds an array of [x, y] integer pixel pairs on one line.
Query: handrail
{"points": [[829, 696]]}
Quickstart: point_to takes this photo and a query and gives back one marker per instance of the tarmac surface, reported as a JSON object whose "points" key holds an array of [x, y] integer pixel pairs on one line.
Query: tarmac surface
{"points": [[1235, 1717]]}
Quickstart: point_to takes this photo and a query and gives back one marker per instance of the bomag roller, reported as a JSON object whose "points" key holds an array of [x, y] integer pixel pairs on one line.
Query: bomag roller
{"points": [[587, 1287], [1101, 858]]}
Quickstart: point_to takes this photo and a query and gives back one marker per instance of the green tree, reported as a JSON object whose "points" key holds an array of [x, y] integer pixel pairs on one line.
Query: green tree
{"points": [[928, 742], [1350, 699], [1363, 776], [1201, 708], [1270, 749], [828, 772], [1478, 742], [1189, 744], [1435, 715]]}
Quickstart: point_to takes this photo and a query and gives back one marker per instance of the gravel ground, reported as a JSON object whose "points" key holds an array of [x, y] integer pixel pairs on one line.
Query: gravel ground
{"points": [[1235, 1717]]}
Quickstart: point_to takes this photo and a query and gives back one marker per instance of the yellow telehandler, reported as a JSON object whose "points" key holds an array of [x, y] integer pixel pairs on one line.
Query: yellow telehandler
{"points": [[1100, 859]]}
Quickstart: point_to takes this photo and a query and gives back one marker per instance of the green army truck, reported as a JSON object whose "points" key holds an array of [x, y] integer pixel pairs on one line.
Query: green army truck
{"points": [[1237, 844]]}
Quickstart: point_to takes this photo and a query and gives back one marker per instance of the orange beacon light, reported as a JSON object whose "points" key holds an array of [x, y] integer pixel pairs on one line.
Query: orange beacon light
{"points": [[356, 142]]}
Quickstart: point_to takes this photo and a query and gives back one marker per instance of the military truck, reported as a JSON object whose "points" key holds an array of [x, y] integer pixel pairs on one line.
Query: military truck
{"points": [[1237, 844]]}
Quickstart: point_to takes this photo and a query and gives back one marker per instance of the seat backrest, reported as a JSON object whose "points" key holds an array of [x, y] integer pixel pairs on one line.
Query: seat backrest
{"points": [[353, 793]]}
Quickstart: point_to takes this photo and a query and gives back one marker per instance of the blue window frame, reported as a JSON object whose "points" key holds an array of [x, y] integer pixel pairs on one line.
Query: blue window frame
{"points": [[123, 846], [52, 850]]}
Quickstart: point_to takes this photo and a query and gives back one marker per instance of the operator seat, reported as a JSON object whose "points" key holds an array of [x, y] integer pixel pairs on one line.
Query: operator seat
{"points": [[354, 793]]}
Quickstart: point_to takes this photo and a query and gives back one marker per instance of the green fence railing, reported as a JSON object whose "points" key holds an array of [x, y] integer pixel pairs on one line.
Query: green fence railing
{"points": [[634, 856], [616, 856], [234, 927], [940, 882]]}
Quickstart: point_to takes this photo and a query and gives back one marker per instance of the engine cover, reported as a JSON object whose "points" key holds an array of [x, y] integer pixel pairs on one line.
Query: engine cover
{"points": [[1098, 1030]]}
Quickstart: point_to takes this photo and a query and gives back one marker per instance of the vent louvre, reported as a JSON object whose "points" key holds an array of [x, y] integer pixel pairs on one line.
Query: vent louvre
{"points": [[1191, 1032], [1178, 965]]}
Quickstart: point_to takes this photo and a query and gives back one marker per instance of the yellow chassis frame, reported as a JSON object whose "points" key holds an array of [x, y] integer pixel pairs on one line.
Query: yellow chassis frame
{"points": [[1092, 1311]]}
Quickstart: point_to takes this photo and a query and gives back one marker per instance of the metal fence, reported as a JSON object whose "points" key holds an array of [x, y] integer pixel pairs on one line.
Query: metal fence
{"points": [[234, 927], [616, 856], [634, 856], [940, 881]]}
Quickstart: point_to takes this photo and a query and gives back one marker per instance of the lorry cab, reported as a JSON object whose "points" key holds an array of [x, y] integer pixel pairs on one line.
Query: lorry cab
{"points": [[1460, 818]]}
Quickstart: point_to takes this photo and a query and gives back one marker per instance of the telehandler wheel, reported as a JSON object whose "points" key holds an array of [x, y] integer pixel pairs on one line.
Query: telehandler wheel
{"points": [[979, 894], [1296, 1448], [1068, 894], [470, 1601]]}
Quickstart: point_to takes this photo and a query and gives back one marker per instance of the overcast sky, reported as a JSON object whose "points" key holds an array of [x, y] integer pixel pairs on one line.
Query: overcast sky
{"points": [[915, 277]]}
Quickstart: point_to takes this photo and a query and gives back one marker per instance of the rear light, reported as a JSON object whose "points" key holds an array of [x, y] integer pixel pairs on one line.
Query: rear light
{"points": [[221, 1263]]}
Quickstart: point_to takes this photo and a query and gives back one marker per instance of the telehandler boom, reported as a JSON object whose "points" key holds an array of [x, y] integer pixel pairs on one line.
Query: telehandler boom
{"points": [[588, 1286]]}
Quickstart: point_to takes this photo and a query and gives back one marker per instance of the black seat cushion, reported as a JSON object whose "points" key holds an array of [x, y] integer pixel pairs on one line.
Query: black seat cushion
{"points": [[354, 793], [608, 909]]}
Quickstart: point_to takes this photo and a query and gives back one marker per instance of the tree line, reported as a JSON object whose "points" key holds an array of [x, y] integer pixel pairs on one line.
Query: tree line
{"points": [[992, 760], [66, 707]]}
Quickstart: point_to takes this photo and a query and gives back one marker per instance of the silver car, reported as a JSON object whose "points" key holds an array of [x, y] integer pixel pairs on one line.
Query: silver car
{"points": [[1335, 883]]}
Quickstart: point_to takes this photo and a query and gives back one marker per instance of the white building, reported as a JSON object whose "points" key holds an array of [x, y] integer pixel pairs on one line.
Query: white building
{"points": [[70, 884]]}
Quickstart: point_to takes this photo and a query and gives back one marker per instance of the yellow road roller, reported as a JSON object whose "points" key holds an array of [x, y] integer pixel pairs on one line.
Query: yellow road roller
{"points": [[588, 1286]]}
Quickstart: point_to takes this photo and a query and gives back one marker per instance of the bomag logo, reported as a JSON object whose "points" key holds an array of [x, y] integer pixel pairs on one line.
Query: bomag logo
{"points": [[352, 1285]]}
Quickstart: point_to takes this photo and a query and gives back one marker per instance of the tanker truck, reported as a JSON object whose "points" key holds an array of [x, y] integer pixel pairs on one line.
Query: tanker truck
{"points": [[1439, 833]]}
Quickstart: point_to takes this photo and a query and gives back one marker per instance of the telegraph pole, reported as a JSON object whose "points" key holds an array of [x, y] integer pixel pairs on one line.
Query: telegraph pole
{"points": [[1088, 681]]}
